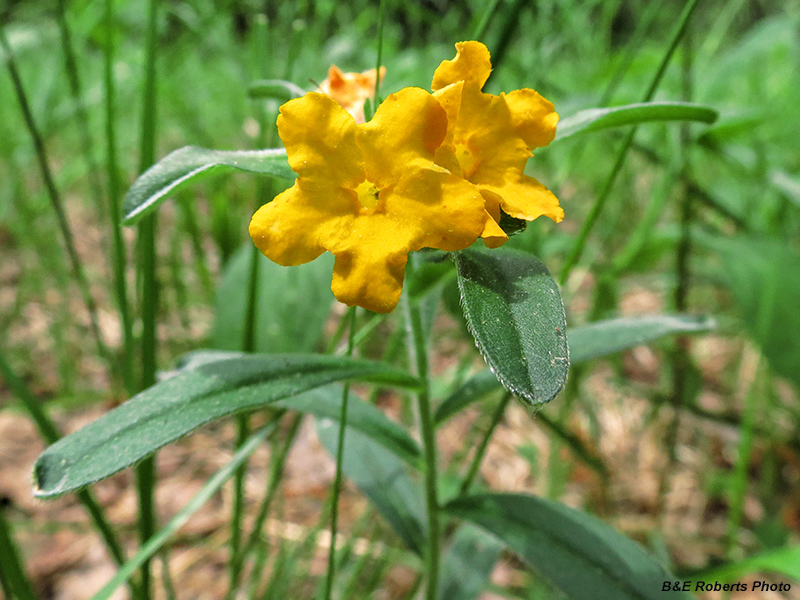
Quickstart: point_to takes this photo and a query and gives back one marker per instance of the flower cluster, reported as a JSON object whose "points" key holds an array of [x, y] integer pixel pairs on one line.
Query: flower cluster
{"points": [[429, 170]]}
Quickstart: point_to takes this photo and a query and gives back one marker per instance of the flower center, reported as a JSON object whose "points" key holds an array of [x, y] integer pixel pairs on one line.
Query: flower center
{"points": [[466, 159], [368, 195]]}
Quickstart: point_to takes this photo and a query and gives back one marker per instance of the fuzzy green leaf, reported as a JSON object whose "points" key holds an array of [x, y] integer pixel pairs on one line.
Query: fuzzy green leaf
{"points": [[595, 119], [189, 164], [614, 335], [585, 343], [173, 408], [579, 554], [514, 311]]}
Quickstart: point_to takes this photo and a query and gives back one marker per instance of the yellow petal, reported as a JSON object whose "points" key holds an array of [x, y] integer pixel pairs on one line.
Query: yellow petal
{"points": [[371, 280], [525, 198], [450, 100], [532, 117], [472, 65], [304, 221], [320, 140], [492, 234], [407, 128], [435, 210]]}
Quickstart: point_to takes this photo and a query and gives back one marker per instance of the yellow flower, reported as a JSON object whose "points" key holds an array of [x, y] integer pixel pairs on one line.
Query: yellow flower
{"points": [[491, 139], [351, 90], [368, 193]]}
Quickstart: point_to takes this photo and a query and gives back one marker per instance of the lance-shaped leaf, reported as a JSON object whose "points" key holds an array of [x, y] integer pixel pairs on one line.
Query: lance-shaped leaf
{"points": [[607, 337], [189, 164], [595, 119], [585, 343], [514, 311], [579, 554], [172, 408]]}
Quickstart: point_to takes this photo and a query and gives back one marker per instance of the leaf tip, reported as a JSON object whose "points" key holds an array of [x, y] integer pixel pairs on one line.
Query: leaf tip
{"points": [[49, 474]]}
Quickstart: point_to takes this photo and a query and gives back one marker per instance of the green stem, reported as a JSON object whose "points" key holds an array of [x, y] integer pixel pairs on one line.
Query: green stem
{"points": [[480, 452], [418, 356], [14, 580], [146, 470], [337, 482], [599, 204], [277, 465], [237, 554], [510, 25], [381, 20], [76, 90], [243, 427], [118, 252], [680, 356], [483, 23], [740, 477], [55, 200]]}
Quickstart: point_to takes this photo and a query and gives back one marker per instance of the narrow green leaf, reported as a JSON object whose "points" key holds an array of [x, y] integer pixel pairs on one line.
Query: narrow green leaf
{"points": [[607, 337], [326, 403], [468, 563], [173, 408], [190, 163], [274, 89], [206, 492], [585, 343], [785, 561], [514, 311], [594, 119], [381, 476], [579, 554]]}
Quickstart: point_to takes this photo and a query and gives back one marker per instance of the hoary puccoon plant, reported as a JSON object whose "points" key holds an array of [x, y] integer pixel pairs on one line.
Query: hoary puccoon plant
{"points": [[430, 187]]}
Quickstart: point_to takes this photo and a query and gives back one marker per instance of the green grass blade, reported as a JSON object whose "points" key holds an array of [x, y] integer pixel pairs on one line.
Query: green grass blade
{"points": [[206, 492], [56, 201], [605, 192], [14, 579], [384, 479]]}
